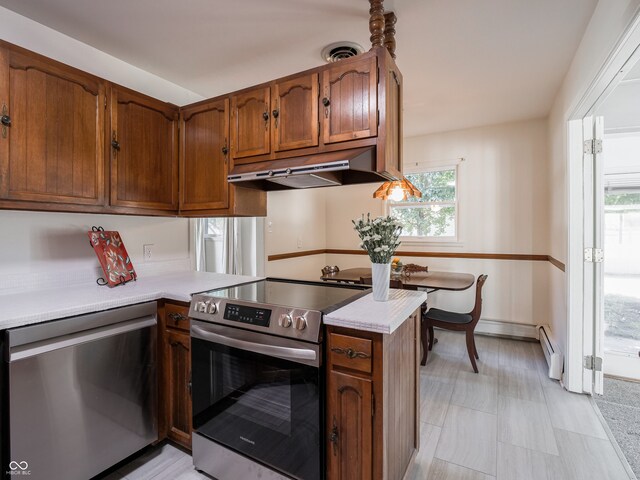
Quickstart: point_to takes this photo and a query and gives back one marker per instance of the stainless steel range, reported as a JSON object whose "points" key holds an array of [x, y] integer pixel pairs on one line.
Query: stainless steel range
{"points": [[258, 380]]}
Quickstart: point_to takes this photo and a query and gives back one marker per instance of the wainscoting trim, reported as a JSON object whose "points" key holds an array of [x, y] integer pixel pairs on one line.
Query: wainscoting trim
{"points": [[484, 256]]}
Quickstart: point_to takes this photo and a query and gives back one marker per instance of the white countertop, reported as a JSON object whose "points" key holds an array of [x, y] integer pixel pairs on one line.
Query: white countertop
{"points": [[34, 306], [382, 317]]}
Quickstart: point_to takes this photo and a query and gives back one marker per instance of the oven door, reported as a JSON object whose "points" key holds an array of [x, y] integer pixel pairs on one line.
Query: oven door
{"points": [[260, 396]]}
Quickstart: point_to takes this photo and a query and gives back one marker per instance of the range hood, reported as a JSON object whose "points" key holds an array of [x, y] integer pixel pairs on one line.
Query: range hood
{"points": [[346, 167]]}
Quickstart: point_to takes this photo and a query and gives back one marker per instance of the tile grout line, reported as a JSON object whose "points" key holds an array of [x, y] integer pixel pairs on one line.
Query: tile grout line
{"points": [[466, 468]]}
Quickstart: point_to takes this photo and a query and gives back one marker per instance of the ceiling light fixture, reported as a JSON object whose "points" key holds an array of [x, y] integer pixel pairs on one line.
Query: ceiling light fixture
{"points": [[397, 190]]}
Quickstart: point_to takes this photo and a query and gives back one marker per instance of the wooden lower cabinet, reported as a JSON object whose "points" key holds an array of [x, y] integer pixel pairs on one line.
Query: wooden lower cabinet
{"points": [[175, 374], [372, 415]]}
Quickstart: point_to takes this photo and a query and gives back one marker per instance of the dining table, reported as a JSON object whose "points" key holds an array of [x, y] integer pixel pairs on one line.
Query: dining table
{"points": [[430, 281]]}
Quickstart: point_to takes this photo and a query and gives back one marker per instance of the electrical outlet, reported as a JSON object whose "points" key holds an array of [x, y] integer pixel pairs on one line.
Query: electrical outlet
{"points": [[147, 252], [270, 227], [299, 242]]}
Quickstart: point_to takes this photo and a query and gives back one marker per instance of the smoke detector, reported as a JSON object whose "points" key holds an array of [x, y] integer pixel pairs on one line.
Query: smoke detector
{"points": [[339, 50]]}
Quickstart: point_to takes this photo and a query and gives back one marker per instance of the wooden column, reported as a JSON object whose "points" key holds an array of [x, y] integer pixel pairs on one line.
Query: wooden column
{"points": [[376, 23], [390, 32]]}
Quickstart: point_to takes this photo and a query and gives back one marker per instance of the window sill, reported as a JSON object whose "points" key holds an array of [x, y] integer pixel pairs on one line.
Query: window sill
{"points": [[421, 242]]}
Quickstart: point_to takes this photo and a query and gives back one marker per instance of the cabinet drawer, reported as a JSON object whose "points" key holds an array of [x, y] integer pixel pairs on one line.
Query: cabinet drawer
{"points": [[350, 352], [177, 316]]}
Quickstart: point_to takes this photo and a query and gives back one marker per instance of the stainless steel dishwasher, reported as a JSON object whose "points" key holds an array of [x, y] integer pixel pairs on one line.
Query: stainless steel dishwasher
{"points": [[82, 392]]}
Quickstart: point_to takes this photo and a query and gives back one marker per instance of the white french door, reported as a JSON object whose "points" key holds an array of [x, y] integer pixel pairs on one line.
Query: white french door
{"points": [[593, 196], [611, 196]]}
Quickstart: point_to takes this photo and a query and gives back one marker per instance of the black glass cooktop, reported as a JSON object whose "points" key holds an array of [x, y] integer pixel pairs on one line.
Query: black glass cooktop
{"points": [[321, 297]]}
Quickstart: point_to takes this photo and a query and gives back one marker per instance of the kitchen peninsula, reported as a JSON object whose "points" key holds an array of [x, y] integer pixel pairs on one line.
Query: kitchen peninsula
{"points": [[371, 355]]}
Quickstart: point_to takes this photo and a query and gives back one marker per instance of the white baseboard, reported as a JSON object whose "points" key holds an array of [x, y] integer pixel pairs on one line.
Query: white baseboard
{"points": [[507, 329]]}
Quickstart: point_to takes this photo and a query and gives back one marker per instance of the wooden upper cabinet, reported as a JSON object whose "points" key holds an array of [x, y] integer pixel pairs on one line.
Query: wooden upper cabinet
{"points": [[250, 123], [52, 151], [204, 156], [295, 113], [144, 151], [389, 155], [349, 100]]}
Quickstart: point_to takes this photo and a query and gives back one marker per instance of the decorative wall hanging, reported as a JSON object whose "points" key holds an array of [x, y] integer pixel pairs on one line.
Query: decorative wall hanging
{"points": [[113, 257]]}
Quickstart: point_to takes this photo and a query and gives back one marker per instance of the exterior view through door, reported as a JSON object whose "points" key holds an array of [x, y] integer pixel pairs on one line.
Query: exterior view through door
{"points": [[617, 223]]}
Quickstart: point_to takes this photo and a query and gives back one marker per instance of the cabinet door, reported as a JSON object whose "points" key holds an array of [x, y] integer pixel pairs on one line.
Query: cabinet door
{"points": [[204, 156], [349, 100], [178, 366], [295, 113], [389, 157], [144, 152], [350, 427], [250, 123], [53, 149]]}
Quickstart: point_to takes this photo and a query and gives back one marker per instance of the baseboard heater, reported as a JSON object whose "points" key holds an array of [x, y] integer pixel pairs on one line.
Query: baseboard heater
{"points": [[551, 352]]}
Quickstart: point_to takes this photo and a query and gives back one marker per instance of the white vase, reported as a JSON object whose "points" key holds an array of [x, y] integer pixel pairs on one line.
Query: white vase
{"points": [[380, 275]]}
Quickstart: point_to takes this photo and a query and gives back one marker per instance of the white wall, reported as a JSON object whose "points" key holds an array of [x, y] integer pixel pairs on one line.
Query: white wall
{"points": [[502, 200], [36, 37], [501, 191], [296, 221], [609, 21], [46, 243]]}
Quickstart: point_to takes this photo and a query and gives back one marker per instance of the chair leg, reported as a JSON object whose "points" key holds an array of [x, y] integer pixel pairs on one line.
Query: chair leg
{"points": [[424, 339], [475, 349], [431, 335], [471, 351]]}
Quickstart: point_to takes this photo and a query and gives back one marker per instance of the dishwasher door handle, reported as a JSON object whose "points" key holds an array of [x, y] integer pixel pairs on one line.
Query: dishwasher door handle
{"points": [[281, 352], [44, 346]]}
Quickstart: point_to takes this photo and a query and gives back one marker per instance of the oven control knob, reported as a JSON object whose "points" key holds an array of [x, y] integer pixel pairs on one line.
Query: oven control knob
{"points": [[212, 308], [285, 320], [300, 323], [201, 307]]}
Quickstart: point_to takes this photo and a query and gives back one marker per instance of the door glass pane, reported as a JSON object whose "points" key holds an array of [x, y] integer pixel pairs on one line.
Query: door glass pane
{"points": [[622, 243]]}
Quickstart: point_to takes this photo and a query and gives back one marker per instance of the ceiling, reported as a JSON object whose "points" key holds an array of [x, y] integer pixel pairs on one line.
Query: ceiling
{"points": [[465, 62]]}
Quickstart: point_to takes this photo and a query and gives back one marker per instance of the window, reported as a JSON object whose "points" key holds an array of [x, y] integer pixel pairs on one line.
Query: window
{"points": [[434, 215]]}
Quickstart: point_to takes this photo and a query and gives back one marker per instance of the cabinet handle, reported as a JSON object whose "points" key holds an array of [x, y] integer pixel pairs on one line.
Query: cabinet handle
{"points": [[5, 120], [276, 114], [225, 151], [326, 102], [114, 142], [350, 353], [177, 316], [333, 437], [265, 116]]}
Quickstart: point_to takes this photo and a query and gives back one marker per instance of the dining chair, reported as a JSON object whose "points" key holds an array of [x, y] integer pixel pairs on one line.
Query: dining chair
{"points": [[329, 270], [460, 322], [393, 283]]}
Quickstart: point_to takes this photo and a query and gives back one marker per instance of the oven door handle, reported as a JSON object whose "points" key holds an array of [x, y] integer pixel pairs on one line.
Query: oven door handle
{"points": [[281, 352]]}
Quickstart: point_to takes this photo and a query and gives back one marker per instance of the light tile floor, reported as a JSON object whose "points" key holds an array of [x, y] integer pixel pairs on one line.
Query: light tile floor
{"points": [[509, 422]]}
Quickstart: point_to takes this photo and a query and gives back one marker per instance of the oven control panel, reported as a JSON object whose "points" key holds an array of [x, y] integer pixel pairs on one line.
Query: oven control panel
{"points": [[274, 319], [250, 315]]}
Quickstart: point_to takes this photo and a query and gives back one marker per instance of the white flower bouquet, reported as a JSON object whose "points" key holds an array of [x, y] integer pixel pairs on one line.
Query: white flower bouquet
{"points": [[379, 237]]}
